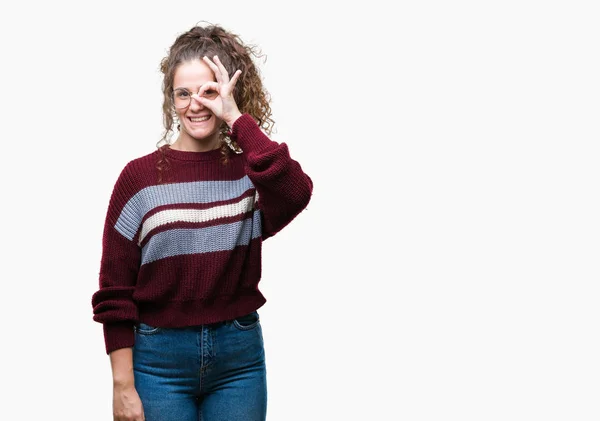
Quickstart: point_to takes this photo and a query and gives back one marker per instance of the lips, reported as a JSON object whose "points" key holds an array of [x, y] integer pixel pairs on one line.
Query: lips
{"points": [[201, 119]]}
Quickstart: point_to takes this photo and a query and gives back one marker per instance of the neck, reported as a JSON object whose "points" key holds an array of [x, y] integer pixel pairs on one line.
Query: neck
{"points": [[187, 143]]}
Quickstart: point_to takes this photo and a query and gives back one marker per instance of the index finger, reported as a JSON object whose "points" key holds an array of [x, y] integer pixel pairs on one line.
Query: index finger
{"points": [[214, 68], [222, 68]]}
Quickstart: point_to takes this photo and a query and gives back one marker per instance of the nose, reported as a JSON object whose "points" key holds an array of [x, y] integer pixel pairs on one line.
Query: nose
{"points": [[195, 105]]}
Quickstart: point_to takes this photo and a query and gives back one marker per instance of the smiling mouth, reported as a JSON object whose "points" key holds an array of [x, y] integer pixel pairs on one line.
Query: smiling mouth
{"points": [[199, 119]]}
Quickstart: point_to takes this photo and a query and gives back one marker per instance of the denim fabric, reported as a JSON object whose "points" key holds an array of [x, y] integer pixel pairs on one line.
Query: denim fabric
{"points": [[211, 372]]}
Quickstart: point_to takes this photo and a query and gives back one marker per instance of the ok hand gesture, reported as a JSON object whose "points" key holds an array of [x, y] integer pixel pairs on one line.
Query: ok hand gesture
{"points": [[223, 105]]}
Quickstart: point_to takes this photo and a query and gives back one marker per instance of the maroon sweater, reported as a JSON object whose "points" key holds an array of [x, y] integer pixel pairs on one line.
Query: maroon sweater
{"points": [[187, 251]]}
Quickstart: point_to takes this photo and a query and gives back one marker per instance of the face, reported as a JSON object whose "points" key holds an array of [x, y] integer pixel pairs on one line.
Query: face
{"points": [[191, 75]]}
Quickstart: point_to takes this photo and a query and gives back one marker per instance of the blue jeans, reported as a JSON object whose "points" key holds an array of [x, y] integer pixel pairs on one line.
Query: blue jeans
{"points": [[212, 372]]}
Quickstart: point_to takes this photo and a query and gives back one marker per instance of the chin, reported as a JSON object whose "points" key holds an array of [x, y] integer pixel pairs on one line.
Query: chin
{"points": [[200, 134]]}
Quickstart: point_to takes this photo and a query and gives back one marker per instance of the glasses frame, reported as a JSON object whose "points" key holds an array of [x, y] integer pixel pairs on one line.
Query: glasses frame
{"points": [[190, 97]]}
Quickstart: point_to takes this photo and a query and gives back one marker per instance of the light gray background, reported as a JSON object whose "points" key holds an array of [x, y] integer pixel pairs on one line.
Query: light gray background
{"points": [[447, 266]]}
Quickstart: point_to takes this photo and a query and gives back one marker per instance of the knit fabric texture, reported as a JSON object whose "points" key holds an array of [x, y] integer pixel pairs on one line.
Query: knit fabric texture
{"points": [[187, 250]]}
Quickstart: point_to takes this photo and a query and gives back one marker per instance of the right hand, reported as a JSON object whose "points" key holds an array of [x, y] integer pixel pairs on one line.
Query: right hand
{"points": [[127, 405]]}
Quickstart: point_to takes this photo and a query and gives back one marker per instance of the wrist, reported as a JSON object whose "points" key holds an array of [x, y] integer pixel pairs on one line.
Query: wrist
{"points": [[122, 367], [123, 382], [232, 120]]}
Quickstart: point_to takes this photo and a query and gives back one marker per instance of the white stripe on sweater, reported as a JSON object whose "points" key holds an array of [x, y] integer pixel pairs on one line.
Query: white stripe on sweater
{"points": [[195, 215]]}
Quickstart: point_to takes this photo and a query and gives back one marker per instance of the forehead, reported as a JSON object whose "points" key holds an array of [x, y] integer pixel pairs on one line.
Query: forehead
{"points": [[192, 74]]}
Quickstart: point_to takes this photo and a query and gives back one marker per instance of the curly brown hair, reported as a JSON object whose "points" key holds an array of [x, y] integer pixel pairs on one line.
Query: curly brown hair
{"points": [[250, 95]]}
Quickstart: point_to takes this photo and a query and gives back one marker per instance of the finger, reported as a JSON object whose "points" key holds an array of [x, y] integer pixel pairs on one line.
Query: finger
{"points": [[214, 68], [208, 85], [222, 69], [205, 102], [235, 78]]}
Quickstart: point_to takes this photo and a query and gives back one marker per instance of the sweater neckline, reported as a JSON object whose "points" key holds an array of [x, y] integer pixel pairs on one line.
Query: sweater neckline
{"points": [[192, 156]]}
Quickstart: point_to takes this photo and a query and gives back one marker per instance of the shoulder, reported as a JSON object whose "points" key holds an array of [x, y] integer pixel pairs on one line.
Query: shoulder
{"points": [[143, 162], [138, 172], [143, 165]]}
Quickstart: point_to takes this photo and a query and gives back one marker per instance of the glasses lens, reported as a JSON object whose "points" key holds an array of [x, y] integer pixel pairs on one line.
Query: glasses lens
{"points": [[181, 98]]}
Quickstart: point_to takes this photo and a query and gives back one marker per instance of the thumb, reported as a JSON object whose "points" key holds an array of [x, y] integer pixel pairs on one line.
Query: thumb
{"points": [[204, 101]]}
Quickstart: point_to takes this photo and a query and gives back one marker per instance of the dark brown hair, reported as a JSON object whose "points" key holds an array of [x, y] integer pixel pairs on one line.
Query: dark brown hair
{"points": [[250, 95]]}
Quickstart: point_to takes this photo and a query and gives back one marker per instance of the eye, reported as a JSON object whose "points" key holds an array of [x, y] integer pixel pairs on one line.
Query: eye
{"points": [[210, 92], [182, 94]]}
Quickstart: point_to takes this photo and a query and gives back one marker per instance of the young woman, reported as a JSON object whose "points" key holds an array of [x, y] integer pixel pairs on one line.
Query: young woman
{"points": [[181, 251]]}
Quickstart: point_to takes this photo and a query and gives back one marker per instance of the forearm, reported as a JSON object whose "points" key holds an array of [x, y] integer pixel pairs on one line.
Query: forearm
{"points": [[121, 361], [113, 302], [283, 188]]}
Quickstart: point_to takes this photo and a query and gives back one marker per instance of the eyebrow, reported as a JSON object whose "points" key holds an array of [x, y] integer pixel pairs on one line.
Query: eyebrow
{"points": [[191, 90]]}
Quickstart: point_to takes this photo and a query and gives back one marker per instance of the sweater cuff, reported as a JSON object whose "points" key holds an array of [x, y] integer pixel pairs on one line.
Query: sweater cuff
{"points": [[118, 335], [248, 135]]}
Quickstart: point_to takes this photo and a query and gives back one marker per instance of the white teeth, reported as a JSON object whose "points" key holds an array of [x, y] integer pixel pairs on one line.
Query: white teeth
{"points": [[198, 120]]}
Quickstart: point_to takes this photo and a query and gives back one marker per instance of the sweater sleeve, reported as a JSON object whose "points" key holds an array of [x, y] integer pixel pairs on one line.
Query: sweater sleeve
{"points": [[284, 190], [113, 304]]}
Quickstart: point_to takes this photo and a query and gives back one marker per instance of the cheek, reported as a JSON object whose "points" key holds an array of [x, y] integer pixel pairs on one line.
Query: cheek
{"points": [[180, 115]]}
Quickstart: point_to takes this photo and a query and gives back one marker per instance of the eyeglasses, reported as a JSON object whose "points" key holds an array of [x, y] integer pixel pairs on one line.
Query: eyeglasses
{"points": [[182, 97]]}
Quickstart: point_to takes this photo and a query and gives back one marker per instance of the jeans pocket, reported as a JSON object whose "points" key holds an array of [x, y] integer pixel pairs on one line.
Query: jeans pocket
{"points": [[144, 329], [247, 322]]}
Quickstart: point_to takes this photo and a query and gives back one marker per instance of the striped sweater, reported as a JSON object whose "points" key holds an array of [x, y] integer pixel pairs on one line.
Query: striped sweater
{"points": [[187, 250]]}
